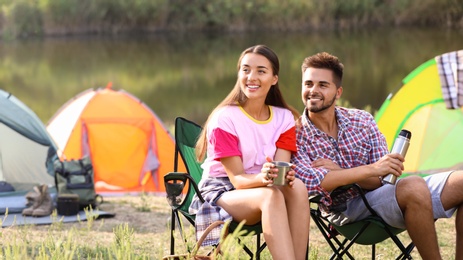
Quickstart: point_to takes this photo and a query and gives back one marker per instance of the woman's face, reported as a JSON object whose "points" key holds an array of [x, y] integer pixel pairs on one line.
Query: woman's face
{"points": [[256, 76]]}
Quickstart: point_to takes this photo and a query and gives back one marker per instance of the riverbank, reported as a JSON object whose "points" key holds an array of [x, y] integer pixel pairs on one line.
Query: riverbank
{"points": [[25, 18]]}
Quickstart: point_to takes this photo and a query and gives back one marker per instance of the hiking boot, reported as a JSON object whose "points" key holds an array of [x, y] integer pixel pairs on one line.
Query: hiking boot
{"points": [[46, 206], [33, 201]]}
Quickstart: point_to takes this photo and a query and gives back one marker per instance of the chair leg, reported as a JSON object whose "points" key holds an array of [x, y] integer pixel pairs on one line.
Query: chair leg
{"points": [[182, 232], [406, 254], [307, 253], [342, 250], [175, 220], [352, 242], [172, 229], [246, 249], [260, 247], [405, 251], [338, 250], [373, 252], [257, 247]]}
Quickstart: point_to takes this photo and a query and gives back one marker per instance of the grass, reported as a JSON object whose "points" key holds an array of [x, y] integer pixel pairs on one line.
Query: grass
{"points": [[140, 231]]}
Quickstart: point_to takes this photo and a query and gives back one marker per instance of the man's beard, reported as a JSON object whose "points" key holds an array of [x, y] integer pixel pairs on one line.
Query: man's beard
{"points": [[315, 109]]}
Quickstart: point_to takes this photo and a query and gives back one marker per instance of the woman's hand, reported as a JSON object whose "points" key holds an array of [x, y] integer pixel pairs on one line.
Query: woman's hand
{"points": [[291, 176], [271, 172], [268, 172]]}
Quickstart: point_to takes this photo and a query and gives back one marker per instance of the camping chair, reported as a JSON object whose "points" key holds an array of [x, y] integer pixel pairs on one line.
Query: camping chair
{"points": [[186, 134], [369, 231]]}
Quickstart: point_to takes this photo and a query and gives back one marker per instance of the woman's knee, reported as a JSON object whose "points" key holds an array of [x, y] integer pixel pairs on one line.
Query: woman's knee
{"points": [[300, 186], [297, 193], [298, 189], [272, 195]]}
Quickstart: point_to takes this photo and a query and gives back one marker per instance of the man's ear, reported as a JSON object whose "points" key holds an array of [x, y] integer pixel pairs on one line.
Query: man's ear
{"points": [[339, 92]]}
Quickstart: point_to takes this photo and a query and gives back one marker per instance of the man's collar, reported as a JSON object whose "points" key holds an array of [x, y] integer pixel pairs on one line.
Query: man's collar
{"points": [[311, 129], [341, 120]]}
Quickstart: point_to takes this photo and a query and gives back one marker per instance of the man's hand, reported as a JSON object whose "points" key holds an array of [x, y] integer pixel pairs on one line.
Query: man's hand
{"points": [[390, 163], [325, 163]]}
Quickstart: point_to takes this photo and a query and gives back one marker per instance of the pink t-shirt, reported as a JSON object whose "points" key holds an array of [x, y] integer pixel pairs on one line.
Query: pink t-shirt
{"points": [[232, 132]]}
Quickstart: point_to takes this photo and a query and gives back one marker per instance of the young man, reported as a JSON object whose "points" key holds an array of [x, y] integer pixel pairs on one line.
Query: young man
{"points": [[339, 146]]}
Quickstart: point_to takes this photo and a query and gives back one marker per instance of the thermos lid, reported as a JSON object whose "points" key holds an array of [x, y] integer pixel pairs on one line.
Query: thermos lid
{"points": [[405, 133]]}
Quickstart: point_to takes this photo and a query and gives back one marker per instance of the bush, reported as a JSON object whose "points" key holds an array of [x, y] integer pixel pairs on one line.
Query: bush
{"points": [[22, 18]]}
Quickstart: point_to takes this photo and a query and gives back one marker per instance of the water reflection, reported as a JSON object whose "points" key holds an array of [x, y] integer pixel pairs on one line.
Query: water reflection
{"points": [[187, 75]]}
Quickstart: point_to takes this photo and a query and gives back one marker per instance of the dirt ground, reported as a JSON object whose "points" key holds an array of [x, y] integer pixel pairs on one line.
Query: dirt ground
{"points": [[145, 214], [145, 217]]}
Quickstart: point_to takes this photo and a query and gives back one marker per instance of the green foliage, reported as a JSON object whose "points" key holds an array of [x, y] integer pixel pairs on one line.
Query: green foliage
{"points": [[58, 248], [430, 12], [230, 246], [123, 237], [313, 253], [23, 18], [145, 203], [91, 217], [123, 242]]}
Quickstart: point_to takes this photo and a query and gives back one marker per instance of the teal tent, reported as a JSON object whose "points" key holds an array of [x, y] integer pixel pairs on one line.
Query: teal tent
{"points": [[26, 151]]}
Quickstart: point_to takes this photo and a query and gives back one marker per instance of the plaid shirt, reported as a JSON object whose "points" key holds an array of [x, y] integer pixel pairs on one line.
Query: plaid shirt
{"points": [[450, 67], [359, 143]]}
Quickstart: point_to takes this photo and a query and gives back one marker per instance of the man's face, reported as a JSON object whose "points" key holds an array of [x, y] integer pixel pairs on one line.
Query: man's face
{"points": [[318, 90]]}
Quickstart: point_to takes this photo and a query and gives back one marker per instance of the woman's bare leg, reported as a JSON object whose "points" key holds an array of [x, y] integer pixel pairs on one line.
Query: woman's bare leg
{"points": [[297, 204], [266, 204]]}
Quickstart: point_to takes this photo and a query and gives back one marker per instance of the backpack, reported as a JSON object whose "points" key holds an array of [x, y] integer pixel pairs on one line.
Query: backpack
{"points": [[5, 187], [76, 177]]}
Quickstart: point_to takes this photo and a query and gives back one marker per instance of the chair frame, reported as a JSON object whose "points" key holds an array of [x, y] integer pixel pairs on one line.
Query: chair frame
{"points": [[341, 248], [182, 178]]}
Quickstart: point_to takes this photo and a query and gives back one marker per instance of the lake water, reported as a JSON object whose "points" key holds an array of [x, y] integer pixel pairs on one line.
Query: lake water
{"points": [[189, 74]]}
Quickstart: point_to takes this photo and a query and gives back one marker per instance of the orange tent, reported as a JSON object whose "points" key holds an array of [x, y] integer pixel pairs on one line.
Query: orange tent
{"points": [[130, 148]]}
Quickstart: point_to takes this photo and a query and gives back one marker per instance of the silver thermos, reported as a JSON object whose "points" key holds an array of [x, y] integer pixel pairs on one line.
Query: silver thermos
{"points": [[401, 144]]}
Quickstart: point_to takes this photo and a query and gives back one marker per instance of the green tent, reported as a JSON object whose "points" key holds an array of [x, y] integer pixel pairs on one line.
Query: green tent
{"points": [[429, 105]]}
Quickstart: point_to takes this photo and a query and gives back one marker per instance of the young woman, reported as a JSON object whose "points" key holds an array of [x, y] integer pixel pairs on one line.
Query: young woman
{"points": [[249, 129]]}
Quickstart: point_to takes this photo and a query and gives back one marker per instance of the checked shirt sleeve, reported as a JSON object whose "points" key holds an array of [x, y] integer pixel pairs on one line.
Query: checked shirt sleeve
{"points": [[378, 142], [312, 177]]}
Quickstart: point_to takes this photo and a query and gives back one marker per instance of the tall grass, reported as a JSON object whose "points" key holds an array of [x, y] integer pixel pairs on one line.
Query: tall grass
{"points": [[22, 18], [98, 239]]}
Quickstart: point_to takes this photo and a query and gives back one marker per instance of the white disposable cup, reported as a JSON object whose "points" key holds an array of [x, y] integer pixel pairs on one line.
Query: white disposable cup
{"points": [[283, 168]]}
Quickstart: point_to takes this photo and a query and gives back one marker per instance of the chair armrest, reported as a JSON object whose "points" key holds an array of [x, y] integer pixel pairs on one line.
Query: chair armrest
{"points": [[342, 189], [175, 183], [364, 199], [315, 199]]}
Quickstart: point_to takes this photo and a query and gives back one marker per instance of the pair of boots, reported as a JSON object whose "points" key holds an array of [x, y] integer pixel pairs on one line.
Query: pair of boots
{"points": [[39, 202]]}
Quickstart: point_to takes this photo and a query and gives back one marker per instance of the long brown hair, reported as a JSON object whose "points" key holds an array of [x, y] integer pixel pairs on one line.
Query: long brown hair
{"points": [[237, 97]]}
